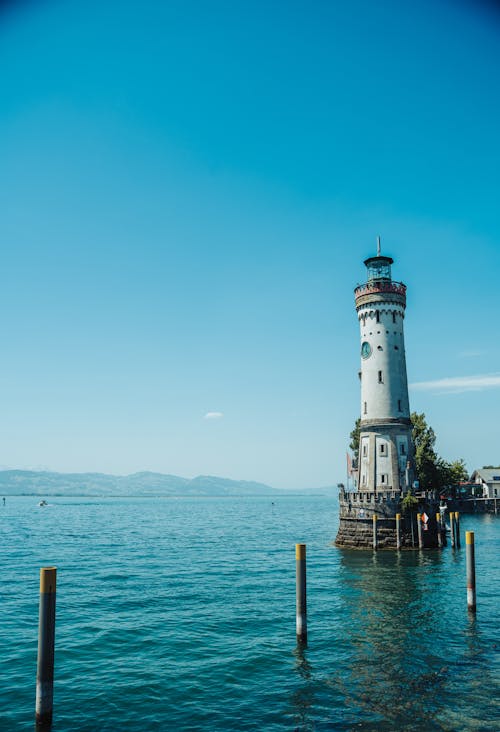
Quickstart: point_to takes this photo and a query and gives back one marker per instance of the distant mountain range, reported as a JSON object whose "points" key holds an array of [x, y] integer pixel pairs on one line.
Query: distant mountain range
{"points": [[28, 482]]}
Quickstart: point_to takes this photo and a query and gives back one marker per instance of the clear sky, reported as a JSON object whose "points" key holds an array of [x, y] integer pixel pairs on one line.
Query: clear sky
{"points": [[188, 191]]}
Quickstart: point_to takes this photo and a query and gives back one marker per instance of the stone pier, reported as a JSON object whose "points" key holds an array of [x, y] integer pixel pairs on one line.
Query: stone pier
{"points": [[356, 510]]}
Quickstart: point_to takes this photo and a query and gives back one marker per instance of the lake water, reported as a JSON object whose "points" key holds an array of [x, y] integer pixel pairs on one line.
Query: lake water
{"points": [[179, 614]]}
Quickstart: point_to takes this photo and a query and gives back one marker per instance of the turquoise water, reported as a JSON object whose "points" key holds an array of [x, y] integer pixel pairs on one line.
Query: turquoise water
{"points": [[180, 614]]}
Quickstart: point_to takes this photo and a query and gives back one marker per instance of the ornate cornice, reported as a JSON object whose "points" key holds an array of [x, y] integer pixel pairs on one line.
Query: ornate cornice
{"points": [[386, 421]]}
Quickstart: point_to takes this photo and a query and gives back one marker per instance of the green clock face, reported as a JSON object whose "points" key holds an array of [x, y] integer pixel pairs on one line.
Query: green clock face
{"points": [[366, 349]]}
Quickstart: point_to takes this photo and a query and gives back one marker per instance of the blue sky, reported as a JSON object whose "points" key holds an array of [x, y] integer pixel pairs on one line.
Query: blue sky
{"points": [[188, 192]]}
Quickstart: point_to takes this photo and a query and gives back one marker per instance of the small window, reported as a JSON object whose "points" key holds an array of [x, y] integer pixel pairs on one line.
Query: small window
{"points": [[382, 448], [363, 482], [364, 408], [394, 317], [382, 478], [364, 450], [399, 405], [402, 449], [396, 348], [379, 348], [380, 377], [377, 316]]}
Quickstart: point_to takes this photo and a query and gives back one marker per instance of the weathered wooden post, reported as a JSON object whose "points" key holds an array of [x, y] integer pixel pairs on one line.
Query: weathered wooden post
{"points": [[419, 530], [457, 529], [439, 530], [471, 571], [301, 593], [374, 518], [46, 640], [398, 531], [452, 528]]}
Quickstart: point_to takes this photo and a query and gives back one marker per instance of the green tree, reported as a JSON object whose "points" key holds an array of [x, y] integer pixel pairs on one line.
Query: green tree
{"points": [[426, 459], [354, 443], [409, 503], [452, 473]]}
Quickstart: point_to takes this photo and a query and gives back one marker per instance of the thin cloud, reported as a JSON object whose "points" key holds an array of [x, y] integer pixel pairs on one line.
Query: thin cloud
{"points": [[213, 415], [471, 354], [458, 384]]}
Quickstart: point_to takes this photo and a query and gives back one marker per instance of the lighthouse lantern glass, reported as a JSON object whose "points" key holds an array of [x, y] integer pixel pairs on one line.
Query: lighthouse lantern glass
{"points": [[380, 270]]}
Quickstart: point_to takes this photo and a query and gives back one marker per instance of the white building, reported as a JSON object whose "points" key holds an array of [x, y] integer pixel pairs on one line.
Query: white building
{"points": [[489, 478], [386, 452]]}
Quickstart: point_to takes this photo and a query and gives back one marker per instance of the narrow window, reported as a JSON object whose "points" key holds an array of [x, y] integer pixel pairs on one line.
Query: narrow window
{"points": [[399, 408], [380, 377], [403, 449], [382, 449], [364, 450], [364, 408], [394, 317], [377, 315], [382, 478]]}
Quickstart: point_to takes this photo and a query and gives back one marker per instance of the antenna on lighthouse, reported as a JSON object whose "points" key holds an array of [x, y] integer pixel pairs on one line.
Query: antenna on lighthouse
{"points": [[378, 246]]}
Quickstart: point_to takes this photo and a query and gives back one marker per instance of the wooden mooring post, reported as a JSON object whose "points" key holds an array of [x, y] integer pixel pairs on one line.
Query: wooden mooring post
{"points": [[398, 531], [471, 571], [375, 542], [46, 642], [419, 531], [301, 593], [457, 529], [439, 530]]}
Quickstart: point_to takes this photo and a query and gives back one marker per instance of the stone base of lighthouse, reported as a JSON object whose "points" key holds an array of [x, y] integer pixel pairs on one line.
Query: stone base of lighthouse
{"points": [[356, 510]]}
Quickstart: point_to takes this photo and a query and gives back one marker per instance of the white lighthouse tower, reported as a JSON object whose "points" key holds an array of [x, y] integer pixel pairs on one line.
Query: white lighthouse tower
{"points": [[386, 453]]}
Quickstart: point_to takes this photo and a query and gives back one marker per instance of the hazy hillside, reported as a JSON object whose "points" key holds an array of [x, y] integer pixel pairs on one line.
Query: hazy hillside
{"points": [[27, 482]]}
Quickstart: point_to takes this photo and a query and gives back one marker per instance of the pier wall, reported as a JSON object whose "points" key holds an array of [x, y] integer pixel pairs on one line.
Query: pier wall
{"points": [[356, 510]]}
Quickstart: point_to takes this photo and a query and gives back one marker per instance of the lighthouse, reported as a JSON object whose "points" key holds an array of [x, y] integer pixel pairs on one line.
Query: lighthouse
{"points": [[374, 514], [386, 454]]}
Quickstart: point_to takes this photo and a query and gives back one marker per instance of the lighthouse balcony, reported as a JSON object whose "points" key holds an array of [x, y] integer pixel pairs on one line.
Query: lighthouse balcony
{"points": [[392, 291]]}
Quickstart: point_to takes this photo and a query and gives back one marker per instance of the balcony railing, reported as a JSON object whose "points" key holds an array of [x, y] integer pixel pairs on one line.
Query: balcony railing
{"points": [[380, 286]]}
